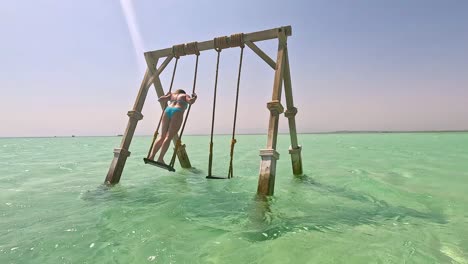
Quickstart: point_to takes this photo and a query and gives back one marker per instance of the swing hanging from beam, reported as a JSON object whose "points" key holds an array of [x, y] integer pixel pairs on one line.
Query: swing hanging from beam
{"points": [[191, 48], [178, 50], [220, 43], [282, 81]]}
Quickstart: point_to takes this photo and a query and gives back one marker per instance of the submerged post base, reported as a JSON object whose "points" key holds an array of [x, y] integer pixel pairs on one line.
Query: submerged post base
{"points": [[296, 159], [266, 179], [117, 165]]}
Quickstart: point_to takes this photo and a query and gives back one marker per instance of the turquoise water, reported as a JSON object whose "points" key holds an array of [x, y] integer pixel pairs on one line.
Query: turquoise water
{"points": [[364, 198]]}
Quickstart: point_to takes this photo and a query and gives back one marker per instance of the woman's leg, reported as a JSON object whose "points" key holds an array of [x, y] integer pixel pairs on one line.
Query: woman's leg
{"points": [[174, 125], [157, 144]]}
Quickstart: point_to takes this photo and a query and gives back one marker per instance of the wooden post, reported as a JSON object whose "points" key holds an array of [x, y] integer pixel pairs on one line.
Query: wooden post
{"points": [[181, 152], [121, 154], [266, 179], [291, 111]]}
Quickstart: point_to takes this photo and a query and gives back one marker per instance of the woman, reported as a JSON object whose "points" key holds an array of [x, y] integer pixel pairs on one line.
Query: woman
{"points": [[171, 120]]}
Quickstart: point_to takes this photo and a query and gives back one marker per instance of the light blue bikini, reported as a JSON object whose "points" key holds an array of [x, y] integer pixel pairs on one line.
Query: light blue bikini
{"points": [[170, 110]]}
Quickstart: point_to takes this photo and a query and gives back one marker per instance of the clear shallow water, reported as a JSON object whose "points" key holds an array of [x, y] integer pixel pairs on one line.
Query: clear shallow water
{"points": [[364, 198]]}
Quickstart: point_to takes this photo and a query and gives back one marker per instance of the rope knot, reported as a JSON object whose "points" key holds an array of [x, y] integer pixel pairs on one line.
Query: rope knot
{"points": [[221, 43], [192, 48], [178, 50], [237, 40]]}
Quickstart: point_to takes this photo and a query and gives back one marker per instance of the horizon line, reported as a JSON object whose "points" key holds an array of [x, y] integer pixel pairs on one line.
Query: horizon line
{"points": [[282, 133]]}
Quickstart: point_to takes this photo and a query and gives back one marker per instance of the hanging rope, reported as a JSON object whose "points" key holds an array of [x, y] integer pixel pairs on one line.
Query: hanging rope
{"points": [[177, 56], [190, 47], [219, 43], [239, 41]]}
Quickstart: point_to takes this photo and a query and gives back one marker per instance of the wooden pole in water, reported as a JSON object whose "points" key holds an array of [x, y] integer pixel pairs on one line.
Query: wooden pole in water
{"points": [[291, 111], [266, 180], [121, 154]]}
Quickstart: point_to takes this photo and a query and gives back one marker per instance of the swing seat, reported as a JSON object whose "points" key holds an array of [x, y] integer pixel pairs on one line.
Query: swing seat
{"points": [[158, 164], [216, 177]]}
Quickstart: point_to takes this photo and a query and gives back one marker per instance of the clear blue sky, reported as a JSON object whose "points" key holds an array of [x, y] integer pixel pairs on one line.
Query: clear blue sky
{"points": [[71, 67]]}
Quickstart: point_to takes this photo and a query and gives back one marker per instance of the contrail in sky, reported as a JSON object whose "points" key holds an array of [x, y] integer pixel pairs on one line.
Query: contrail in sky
{"points": [[129, 14]]}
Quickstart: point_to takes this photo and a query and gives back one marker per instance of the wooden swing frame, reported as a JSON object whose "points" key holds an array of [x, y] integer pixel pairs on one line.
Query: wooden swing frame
{"points": [[269, 155]]}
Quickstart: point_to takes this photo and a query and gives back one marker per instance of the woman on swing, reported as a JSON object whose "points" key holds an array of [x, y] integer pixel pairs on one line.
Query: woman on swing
{"points": [[171, 120]]}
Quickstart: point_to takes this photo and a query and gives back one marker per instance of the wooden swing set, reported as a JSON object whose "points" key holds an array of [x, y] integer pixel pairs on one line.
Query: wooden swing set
{"points": [[269, 155]]}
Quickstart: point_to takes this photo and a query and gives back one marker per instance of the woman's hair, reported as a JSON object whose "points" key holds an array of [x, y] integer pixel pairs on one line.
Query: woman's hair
{"points": [[179, 91]]}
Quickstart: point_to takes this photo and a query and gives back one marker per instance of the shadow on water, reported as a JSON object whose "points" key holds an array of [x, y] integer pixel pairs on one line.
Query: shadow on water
{"points": [[340, 191], [264, 224], [118, 193], [264, 220], [383, 208], [194, 170], [102, 192]]}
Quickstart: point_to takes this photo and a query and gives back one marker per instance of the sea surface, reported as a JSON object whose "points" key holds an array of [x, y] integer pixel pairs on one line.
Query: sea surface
{"points": [[363, 198]]}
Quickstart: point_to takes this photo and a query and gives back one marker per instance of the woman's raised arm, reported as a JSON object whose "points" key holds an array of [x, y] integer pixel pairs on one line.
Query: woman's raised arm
{"points": [[165, 98]]}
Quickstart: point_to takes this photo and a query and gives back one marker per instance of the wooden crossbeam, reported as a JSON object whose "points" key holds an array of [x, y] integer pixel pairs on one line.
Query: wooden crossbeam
{"points": [[209, 44]]}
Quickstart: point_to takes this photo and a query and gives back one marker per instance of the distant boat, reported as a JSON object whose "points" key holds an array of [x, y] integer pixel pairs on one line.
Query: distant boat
{"points": [[120, 135], [73, 135]]}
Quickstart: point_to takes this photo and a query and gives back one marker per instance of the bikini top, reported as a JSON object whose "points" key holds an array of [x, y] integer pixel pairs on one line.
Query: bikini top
{"points": [[182, 102]]}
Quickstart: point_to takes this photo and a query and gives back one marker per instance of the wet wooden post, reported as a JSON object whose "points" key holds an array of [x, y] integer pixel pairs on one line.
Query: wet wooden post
{"points": [[121, 154], [266, 180], [291, 111]]}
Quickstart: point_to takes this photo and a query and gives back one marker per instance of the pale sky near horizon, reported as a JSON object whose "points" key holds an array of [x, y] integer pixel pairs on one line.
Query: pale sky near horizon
{"points": [[75, 67]]}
